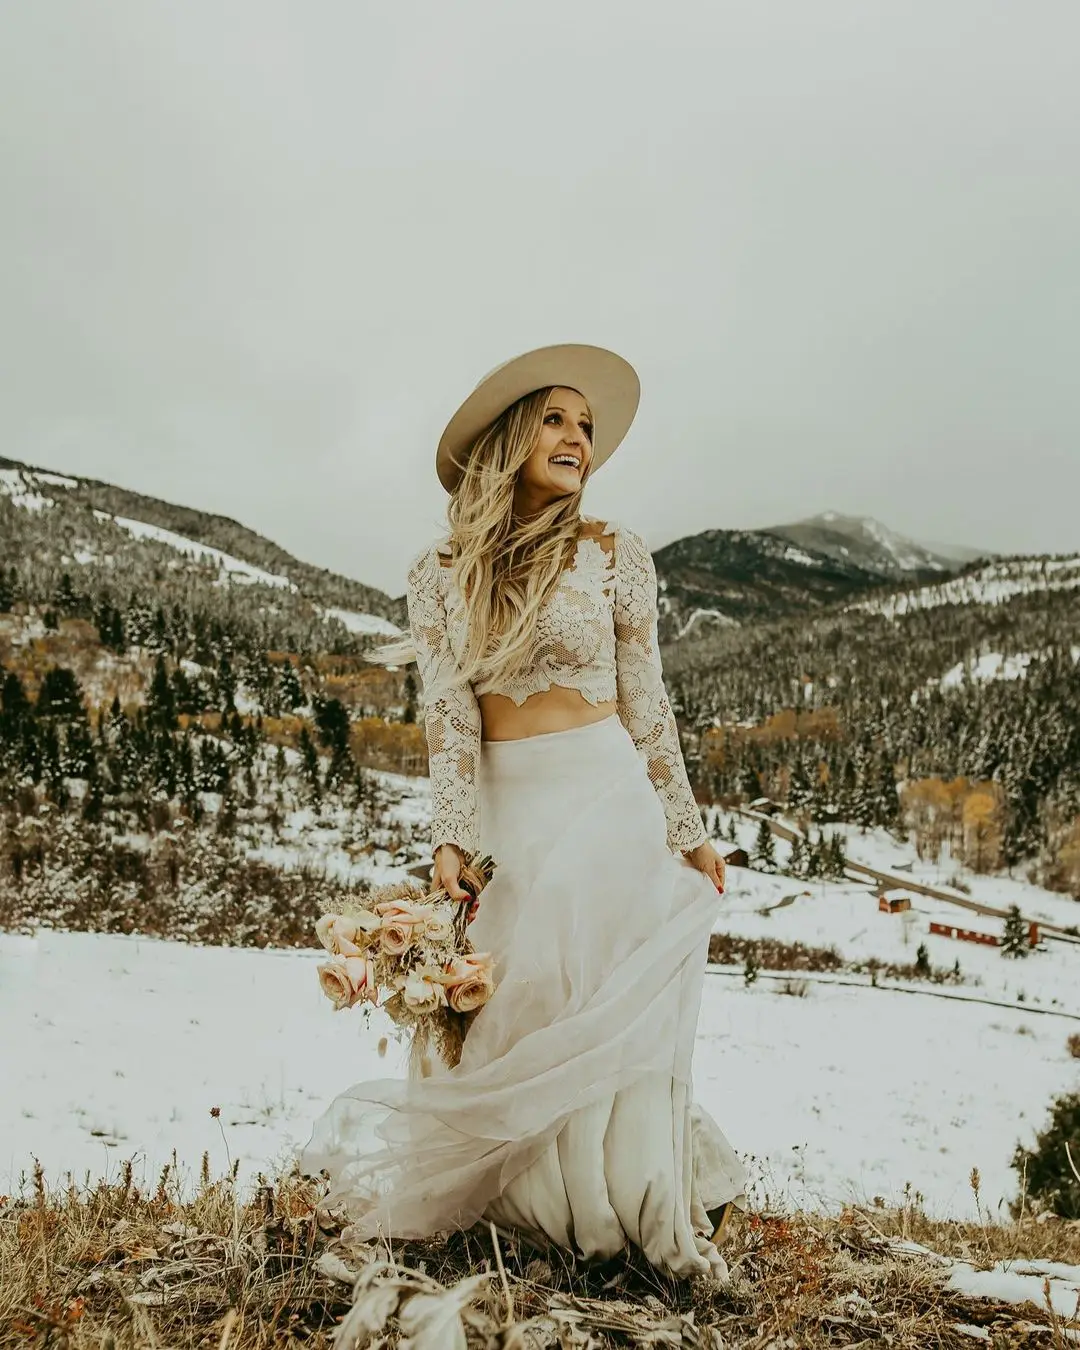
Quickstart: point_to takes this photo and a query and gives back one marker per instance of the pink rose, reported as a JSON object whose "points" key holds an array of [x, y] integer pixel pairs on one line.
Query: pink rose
{"points": [[416, 912], [403, 921], [347, 980], [469, 981], [396, 938]]}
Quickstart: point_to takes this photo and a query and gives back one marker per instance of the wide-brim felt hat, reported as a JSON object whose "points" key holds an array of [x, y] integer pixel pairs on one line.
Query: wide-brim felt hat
{"points": [[606, 380]]}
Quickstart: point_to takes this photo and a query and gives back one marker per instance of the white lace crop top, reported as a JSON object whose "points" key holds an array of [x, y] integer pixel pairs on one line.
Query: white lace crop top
{"points": [[597, 633]]}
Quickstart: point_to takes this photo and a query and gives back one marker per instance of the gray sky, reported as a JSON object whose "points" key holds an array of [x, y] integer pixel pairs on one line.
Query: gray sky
{"points": [[255, 253]]}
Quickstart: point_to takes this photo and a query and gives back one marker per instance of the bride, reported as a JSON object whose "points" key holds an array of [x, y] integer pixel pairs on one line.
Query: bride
{"points": [[553, 748]]}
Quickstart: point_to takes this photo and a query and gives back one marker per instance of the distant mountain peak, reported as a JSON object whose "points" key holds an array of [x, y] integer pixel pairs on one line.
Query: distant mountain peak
{"points": [[870, 544]]}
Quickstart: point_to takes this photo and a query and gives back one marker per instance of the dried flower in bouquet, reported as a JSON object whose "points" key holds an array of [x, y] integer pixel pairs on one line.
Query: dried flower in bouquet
{"points": [[413, 943]]}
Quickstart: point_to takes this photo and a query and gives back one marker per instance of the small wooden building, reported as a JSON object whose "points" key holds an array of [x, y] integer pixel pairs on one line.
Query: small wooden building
{"points": [[893, 901], [734, 857], [764, 806], [981, 935]]}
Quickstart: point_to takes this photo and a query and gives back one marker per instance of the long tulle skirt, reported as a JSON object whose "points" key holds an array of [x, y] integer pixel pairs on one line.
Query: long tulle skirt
{"points": [[570, 1114]]}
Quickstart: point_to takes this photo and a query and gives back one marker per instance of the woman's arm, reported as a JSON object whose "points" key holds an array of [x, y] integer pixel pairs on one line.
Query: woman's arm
{"points": [[642, 699], [451, 714]]}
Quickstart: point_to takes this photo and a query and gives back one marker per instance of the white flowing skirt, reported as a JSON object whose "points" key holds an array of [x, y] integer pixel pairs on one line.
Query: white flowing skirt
{"points": [[570, 1114]]}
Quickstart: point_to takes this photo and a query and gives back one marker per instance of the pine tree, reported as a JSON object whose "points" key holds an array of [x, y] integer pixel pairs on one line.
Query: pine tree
{"points": [[410, 698], [800, 791], [332, 722], [160, 699], [1046, 1172], [864, 795], [887, 803], [292, 692], [797, 858], [309, 761], [751, 968], [1014, 940], [60, 694], [226, 682], [834, 858], [764, 849], [8, 585], [13, 699], [922, 960]]}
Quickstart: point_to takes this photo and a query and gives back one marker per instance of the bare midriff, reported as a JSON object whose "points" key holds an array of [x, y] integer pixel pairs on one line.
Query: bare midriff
{"points": [[554, 709]]}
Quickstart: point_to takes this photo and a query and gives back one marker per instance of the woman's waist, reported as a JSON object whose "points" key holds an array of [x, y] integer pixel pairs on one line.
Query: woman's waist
{"points": [[546, 712], [600, 747]]}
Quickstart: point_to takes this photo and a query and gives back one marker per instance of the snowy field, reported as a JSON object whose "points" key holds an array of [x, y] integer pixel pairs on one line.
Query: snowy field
{"points": [[117, 1047]]}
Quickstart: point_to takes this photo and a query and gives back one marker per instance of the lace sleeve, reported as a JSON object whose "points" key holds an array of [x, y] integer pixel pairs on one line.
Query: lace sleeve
{"points": [[451, 714], [642, 699]]}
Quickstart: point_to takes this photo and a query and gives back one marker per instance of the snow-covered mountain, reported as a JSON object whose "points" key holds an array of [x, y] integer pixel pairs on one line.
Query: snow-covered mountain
{"points": [[101, 533], [869, 544]]}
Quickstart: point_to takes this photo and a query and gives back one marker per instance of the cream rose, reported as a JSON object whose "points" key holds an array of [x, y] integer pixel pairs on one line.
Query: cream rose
{"points": [[439, 928], [469, 981], [422, 990], [347, 980], [347, 934]]}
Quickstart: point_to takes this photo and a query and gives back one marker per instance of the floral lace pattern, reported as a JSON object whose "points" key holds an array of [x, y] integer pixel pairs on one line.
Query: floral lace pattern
{"points": [[451, 713], [575, 639], [643, 702], [597, 634]]}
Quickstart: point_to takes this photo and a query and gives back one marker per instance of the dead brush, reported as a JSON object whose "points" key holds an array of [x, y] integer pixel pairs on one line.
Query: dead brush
{"points": [[112, 1263]]}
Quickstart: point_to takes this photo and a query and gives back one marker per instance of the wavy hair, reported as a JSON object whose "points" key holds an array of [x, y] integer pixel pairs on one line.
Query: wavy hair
{"points": [[505, 565]]}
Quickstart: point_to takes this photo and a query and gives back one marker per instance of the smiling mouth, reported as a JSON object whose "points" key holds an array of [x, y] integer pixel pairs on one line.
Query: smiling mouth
{"points": [[564, 463]]}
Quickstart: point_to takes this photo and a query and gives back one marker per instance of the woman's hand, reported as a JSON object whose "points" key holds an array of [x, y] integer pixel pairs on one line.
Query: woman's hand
{"points": [[709, 863], [449, 860]]}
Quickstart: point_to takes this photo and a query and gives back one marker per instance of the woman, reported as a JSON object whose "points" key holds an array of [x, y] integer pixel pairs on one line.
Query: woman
{"points": [[552, 748]]}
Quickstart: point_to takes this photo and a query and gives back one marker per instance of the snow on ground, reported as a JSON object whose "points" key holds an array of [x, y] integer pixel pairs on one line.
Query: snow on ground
{"points": [[118, 1047], [19, 487], [1008, 1282], [792, 554], [241, 570], [988, 585], [363, 623], [845, 915], [725, 620], [879, 850], [992, 666]]}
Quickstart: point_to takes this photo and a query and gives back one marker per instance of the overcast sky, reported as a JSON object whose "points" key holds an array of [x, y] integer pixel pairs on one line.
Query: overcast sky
{"points": [[255, 253]]}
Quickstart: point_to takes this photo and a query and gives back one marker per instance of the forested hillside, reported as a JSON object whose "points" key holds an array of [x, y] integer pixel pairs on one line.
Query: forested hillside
{"points": [[169, 702], [966, 694]]}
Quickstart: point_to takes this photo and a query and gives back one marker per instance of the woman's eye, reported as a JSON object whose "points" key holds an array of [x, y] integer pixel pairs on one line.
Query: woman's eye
{"points": [[587, 429]]}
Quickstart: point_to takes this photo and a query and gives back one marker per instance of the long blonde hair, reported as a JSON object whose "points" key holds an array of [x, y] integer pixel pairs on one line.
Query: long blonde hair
{"points": [[505, 565]]}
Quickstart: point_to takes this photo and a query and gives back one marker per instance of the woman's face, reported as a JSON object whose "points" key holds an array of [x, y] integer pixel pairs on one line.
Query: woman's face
{"points": [[560, 457]]}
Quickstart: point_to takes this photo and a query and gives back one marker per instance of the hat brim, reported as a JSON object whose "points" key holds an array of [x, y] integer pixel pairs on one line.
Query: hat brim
{"points": [[607, 381]]}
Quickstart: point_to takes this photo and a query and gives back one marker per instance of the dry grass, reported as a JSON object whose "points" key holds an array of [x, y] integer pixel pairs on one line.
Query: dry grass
{"points": [[102, 1265], [728, 949]]}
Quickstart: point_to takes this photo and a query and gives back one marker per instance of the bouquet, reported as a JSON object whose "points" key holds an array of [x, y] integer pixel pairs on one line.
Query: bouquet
{"points": [[413, 944]]}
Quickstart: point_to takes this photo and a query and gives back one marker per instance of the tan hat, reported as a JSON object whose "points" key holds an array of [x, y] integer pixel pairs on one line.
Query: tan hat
{"points": [[609, 383]]}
